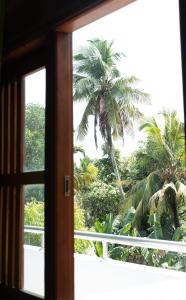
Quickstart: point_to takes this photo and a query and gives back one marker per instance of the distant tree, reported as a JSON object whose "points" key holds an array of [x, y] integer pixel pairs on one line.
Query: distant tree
{"points": [[98, 201], [34, 137], [169, 137], [105, 168], [84, 174], [164, 148], [163, 191]]}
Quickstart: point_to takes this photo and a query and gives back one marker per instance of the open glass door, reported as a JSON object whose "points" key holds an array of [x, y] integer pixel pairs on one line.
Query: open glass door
{"points": [[129, 152]]}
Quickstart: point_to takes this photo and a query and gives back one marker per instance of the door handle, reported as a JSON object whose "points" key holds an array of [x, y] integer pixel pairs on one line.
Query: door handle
{"points": [[67, 185]]}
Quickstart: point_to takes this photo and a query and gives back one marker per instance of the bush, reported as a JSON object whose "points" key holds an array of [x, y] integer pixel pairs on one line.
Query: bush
{"points": [[98, 202], [34, 216], [80, 246], [35, 191]]}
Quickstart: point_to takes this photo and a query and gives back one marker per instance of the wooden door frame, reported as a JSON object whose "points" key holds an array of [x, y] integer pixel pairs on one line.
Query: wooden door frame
{"points": [[59, 240]]}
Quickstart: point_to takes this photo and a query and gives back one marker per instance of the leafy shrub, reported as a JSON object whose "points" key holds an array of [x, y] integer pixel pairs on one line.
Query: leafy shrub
{"points": [[34, 216], [81, 246], [35, 191], [122, 225], [98, 202], [105, 167]]}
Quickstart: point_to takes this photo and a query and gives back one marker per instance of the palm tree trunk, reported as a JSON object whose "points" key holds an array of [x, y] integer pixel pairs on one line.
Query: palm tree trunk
{"points": [[116, 172], [113, 160]]}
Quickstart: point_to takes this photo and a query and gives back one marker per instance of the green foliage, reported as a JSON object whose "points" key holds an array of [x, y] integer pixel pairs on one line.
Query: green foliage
{"points": [[81, 246], [160, 258], [98, 201], [151, 257], [34, 213], [104, 227], [105, 168], [35, 191], [148, 158], [121, 225], [84, 174], [139, 197], [169, 137], [34, 136], [164, 148], [34, 216]]}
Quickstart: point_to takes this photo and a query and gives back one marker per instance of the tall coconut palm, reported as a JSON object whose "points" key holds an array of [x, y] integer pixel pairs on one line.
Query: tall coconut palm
{"points": [[110, 97]]}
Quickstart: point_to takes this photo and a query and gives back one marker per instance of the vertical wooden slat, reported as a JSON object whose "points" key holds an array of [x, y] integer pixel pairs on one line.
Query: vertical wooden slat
{"points": [[1, 224], [11, 201], [10, 236], [12, 149], [4, 230], [13, 274], [20, 125], [19, 224], [15, 129], [1, 172], [7, 218], [8, 148], [5, 156], [19, 227], [14, 190], [2, 117]]}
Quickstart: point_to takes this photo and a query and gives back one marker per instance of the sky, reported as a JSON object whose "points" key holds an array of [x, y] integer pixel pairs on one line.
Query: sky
{"points": [[147, 32]]}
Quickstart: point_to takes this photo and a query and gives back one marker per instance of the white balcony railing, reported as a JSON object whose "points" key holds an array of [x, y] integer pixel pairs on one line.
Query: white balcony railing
{"points": [[105, 239], [97, 278]]}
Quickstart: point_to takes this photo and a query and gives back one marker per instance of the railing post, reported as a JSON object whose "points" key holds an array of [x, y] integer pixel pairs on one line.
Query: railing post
{"points": [[105, 249]]}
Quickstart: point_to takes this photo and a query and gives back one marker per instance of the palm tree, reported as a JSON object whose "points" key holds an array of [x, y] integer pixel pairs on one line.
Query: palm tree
{"points": [[79, 149], [169, 137], [110, 97], [163, 191], [84, 174]]}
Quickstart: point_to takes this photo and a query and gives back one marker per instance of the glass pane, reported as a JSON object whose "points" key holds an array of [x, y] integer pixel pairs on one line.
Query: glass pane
{"points": [[34, 239], [35, 121], [129, 150]]}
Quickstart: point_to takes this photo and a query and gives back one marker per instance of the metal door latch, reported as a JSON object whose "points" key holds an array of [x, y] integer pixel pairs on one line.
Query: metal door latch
{"points": [[67, 185]]}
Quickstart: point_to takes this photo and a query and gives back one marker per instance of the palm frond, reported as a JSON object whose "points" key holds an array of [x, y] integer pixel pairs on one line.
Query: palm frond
{"points": [[83, 87], [83, 126]]}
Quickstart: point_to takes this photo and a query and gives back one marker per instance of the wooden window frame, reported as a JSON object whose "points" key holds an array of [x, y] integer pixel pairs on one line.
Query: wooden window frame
{"points": [[54, 51], [16, 178]]}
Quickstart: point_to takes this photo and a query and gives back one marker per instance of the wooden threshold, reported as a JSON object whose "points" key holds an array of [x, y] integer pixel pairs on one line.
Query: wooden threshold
{"points": [[15, 294]]}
